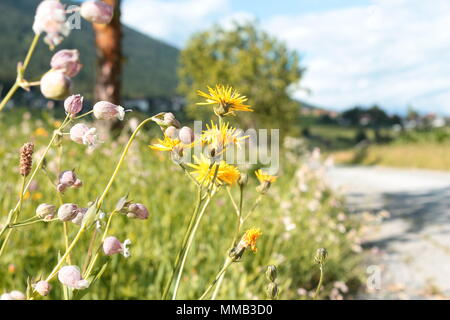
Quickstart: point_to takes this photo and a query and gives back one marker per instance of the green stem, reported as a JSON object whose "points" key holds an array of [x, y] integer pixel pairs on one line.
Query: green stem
{"points": [[188, 246], [14, 216], [183, 244], [218, 276], [22, 70], [319, 285], [235, 238]]}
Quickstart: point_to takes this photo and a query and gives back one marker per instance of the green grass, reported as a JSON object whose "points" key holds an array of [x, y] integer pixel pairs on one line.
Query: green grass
{"points": [[151, 178]]}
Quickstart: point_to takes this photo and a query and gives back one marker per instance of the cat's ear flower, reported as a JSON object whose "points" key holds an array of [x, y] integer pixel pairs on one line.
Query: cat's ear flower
{"points": [[73, 104], [97, 12], [104, 110], [67, 61], [70, 276], [56, 85]]}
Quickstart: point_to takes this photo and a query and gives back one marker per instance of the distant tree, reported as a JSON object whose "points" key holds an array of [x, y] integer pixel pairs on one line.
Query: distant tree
{"points": [[247, 58]]}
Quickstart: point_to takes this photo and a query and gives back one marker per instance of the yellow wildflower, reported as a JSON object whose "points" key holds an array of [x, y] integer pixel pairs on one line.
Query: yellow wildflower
{"points": [[41, 132], [167, 144], [250, 237], [218, 137], [204, 171], [226, 98], [264, 177], [37, 196]]}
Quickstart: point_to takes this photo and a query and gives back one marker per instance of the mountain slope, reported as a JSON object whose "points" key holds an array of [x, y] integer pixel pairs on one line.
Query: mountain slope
{"points": [[149, 65]]}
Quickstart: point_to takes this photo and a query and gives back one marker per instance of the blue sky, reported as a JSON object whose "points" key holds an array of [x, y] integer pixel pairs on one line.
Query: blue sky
{"points": [[395, 53]]}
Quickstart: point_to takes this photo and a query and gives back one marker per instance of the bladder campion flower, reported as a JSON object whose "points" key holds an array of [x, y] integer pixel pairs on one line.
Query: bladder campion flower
{"points": [[204, 172], [97, 12], [112, 245], [104, 110], [43, 288], [226, 99], [70, 276], [51, 18], [67, 61], [56, 85], [73, 104]]}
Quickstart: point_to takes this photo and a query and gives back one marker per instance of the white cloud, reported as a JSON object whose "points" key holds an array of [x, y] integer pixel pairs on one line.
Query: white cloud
{"points": [[173, 21], [394, 52]]}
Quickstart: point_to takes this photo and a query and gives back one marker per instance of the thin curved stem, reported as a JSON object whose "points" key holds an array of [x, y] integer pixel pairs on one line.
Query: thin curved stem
{"points": [[188, 246], [218, 276], [319, 285]]}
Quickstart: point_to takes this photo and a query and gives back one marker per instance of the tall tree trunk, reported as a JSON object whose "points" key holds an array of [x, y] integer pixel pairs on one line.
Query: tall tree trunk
{"points": [[108, 40]]}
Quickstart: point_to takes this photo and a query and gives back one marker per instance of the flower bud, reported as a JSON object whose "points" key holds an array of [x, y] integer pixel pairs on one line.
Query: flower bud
{"points": [[43, 288], [271, 273], [169, 120], [70, 276], [186, 135], [171, 132], [97, 12], [79, 216], [13, 295], [321, 256], [67, 61], [73, 104], [104, 110], [56, 85], [111, 246], [51, 18], [272, 291], [67, 212], [243, 179], [45, 210], [78, 183], [137, 211], [67, 178], [82, 134]]}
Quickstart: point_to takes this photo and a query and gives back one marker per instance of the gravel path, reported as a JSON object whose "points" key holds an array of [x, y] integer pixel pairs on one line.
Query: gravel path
{"points": [[411, 248]]}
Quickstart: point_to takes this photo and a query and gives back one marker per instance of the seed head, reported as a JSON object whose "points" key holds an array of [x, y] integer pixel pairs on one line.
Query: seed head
{"points": [[26, 158], [321, 256], [271, 273]]}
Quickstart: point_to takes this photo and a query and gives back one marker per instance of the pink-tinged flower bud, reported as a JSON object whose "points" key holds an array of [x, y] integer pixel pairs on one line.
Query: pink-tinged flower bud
{"points": [[61, 187], [67, 61], [111, 246], [51, 18], [97, 12], [45, 210], [104, 110], [67, 212], [17, 295], [171, 132], [43, 288], [81, 133], [80, 215], [6, 296], [56, 85], [73, 104], [170, 120], [70, 276], [67, 178], [137, 211], [78, 183], [186, 135]]}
